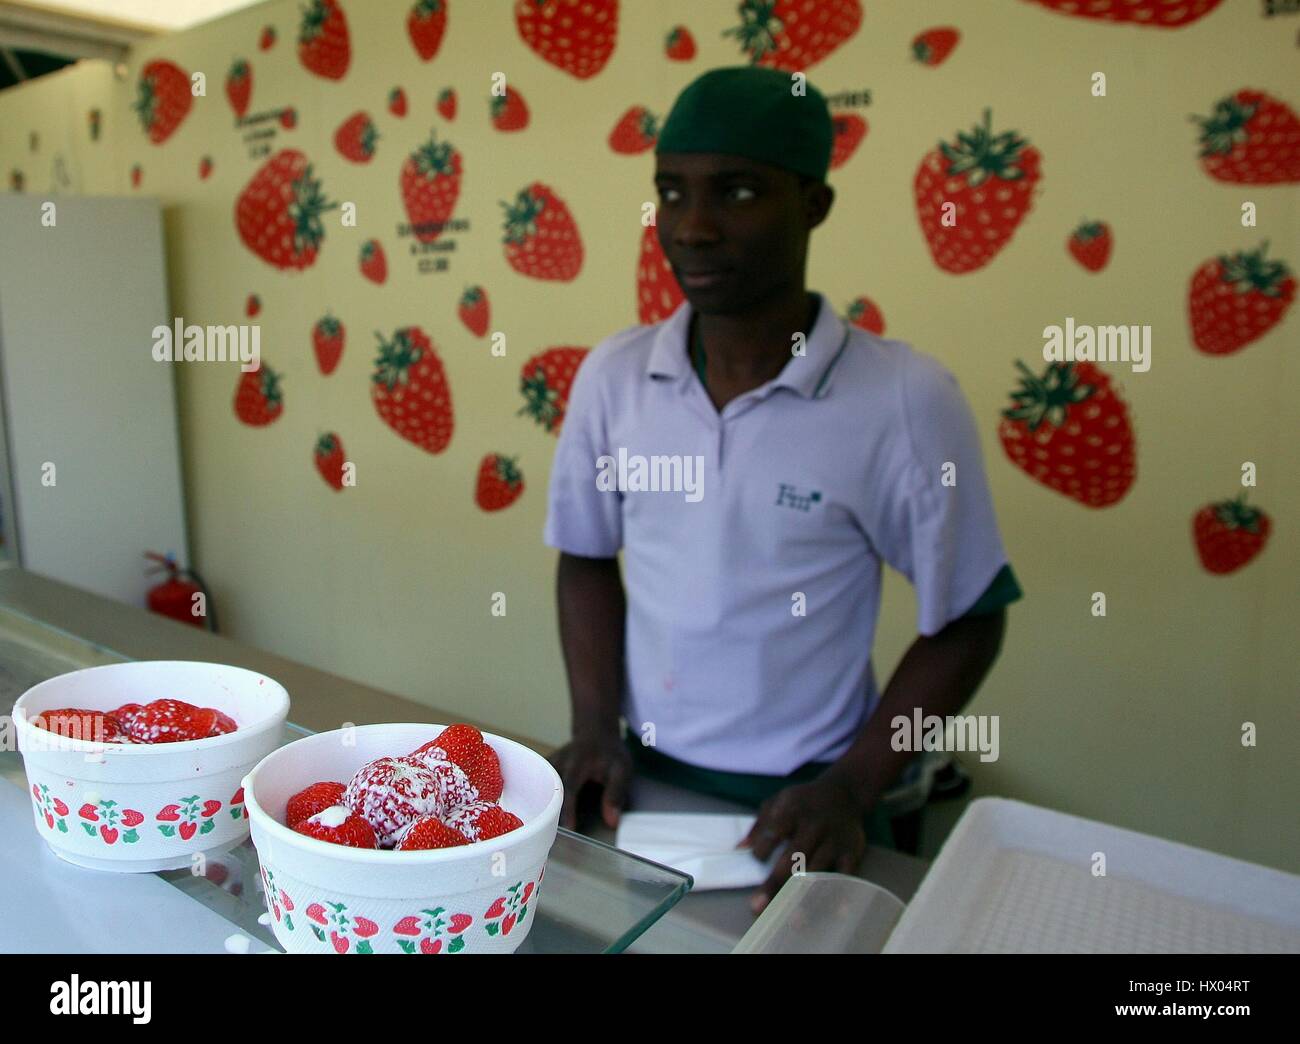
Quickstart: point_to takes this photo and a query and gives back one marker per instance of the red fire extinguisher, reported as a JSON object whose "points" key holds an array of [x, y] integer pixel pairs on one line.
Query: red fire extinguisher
{"points": [[174, 597]]}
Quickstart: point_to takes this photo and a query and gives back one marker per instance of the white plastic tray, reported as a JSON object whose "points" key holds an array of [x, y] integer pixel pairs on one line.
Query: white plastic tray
{"points": [[1014, 878]]}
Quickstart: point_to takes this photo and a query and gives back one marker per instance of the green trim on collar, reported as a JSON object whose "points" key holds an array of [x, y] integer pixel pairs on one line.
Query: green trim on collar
{"points": [[1000, 593]]}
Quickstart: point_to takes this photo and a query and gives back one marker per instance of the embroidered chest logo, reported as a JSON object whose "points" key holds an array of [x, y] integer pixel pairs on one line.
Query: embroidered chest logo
{"points": [[791, 497]]}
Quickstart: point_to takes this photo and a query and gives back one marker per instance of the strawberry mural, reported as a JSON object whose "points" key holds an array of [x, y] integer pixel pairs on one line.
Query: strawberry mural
{"points": [[792, 35], [278, 215], [324, 46], [546, 381], [239, 87], [848, 130], [1090, 244], [474, 310], [500, 482], [425, 25], [863, 312], [329, 457], [373, 262], [1251, 138], [679, 44], [252, 306], [989, 179], [410, 391], [205, 168], [430, 186], [356, 137], [267, 39], [575, 36], [1235, 299], [110, 823], [163, 99], [508, 111], [446, 103], [258, 399], [541, 238], [327, 342], [933, 46], [636, 131], [1157, 14], [397, 102], [187, 817], [342, 928], [426, 931], [289, 118], [658, 294], [1229, 534], [1070, 431]]}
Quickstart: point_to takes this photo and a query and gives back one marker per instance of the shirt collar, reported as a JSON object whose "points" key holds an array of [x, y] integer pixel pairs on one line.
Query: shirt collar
{"points": [[808, 374]]}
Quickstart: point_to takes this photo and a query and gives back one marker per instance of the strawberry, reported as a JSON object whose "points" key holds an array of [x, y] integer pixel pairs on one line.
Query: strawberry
{"points": [[252, 306], [500, 482], [126, 714], [205, 168], [934, 45], [170, 721], [390, 793], [447, 103], [425, 25], [258, 400], [339, 825], [1251, 139], [636, 131], [310, 800], [137, 173], [239, 86], [132, 818], [289, 118], [224, 725], [356, 137], [1229, 534], [473, 310], [585, 37], [1090, 245], [430, 185], [75, 723], [863, 312], [169, 813], [1158, 14], [327, 342], [110, 834], [482, 820], [679, 46], [410, 391], [1069, 430], [658, 294], [267, 40], [163, 99], [1235, 299], [17, 179], [279, 212], [330, 459], [541, 239], [397, 102], [849, 129], [429, 832], [791, 34], [546, 381], [509, 111], [465, 746], [323, 44], [990, 178], [374, 265]]}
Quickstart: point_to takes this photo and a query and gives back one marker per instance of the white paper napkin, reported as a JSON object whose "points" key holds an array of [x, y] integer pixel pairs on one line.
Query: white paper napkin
{"points": [[696, 843]]}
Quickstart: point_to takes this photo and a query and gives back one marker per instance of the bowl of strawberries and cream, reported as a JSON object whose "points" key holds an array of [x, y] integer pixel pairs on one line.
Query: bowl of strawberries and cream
{"points": [[403, 838], [138, 766]]}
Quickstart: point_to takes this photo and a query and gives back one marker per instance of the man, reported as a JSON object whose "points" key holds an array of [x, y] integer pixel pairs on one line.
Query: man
{"points": [[740, 650]]}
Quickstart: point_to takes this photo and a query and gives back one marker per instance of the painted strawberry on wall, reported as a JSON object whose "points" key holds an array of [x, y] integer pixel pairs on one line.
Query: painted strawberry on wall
{"points": [[989, 179], [1156, 14], [267, 38], [575, 36], [933, 46], [373, 262], [163, 99], [658, 294], [258, 399], [327, 342], [474, 310], [397, 102], [1251, 138], [1229, 534], [330, 458], [1235, 299], [446, 104], [278, 214], [679, 44], [1069, 430], [239, 86], [865, 313], [356, 138], [508, 111], [430, 186], [425, 25], [636, 131], [1090, 244], [546, 381], [794, 34], [541, 238], [324, 46], [500, 482], [410, 391], [848, 129]]}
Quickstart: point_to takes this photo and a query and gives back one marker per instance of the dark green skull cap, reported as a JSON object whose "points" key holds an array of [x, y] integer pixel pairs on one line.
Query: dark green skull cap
{"points": [[752, 111]]}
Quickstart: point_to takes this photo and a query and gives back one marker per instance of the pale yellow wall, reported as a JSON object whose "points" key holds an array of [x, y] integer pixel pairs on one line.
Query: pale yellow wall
{"points": [[1133, 719]]}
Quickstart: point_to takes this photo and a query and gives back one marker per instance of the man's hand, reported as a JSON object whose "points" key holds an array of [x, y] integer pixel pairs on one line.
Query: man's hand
{"points": [[597, 761], [821, 819]]}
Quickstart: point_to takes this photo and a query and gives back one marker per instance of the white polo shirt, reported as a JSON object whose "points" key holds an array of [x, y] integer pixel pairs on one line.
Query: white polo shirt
{"points": [[752, 598]]}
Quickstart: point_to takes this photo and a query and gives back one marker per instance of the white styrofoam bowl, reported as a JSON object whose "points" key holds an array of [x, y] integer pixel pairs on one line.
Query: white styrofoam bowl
{"points": [[326, 898], [136, 807]]}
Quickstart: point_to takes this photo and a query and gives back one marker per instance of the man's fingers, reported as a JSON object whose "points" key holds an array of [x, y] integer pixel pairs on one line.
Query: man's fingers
{"points": [[779, 875], [615, 796], [772, 827], [574, 781]]}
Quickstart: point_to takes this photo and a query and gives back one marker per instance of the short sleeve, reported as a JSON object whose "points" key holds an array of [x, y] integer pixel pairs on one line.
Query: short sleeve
{"points": [[580, 518], [940, 529]]}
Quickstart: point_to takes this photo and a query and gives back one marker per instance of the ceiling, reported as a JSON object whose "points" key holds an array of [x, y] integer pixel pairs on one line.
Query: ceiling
{"points": [[156, 15]]}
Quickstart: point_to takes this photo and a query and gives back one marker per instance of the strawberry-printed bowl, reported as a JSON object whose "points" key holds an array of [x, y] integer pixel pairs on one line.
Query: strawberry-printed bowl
{"points": [[143, 807], [328, 898]]}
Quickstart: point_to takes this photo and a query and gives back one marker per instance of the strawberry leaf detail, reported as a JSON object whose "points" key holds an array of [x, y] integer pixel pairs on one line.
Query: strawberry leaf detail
{"points": [[1225, 128], [1237, 514], [982, 154], [521, 217], [307, 206], [395, 360], [759, 30], [540, 402], [1047, 398], [1250, 270]]}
